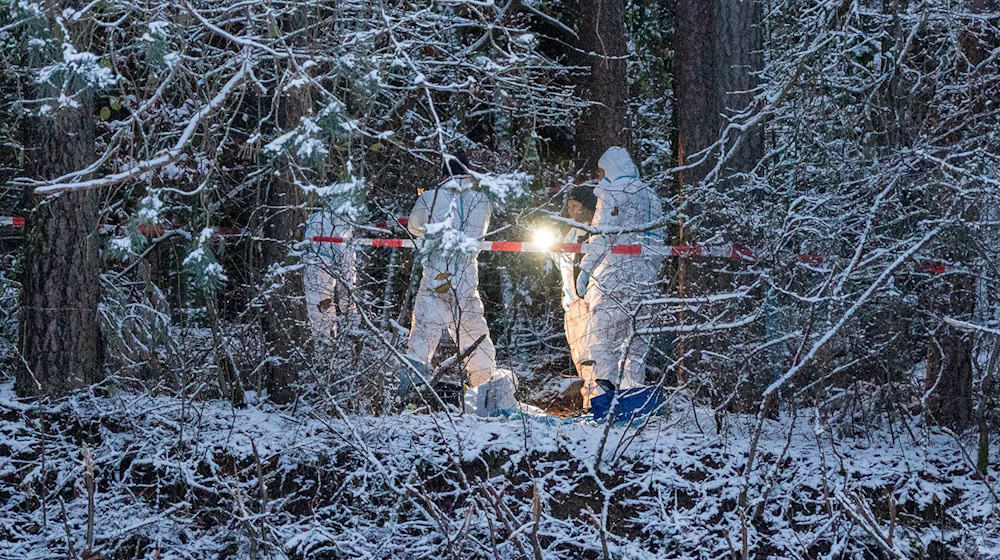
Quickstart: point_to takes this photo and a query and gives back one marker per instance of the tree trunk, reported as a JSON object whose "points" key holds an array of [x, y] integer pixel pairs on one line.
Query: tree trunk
{"points": [[698, 103], [717, 46], [602, 35], [285, 319], [59, 337], [950, 403], [949, 376]]}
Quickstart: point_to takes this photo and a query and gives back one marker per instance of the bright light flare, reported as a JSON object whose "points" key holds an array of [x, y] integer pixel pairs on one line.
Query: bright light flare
{"points": [[544, 238]]}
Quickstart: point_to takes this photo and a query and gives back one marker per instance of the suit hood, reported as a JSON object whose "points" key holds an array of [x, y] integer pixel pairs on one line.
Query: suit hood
{"points": [[617, 164]]}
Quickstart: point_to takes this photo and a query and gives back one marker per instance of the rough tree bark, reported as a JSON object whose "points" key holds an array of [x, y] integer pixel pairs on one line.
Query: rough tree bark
{"points": [[285, 319], [698, 103], [949, 358], [602, 36], [59, 339], [717, 46]]}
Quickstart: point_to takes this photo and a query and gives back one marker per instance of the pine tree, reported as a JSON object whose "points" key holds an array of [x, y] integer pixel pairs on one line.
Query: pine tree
{"points": [[59, 338]]}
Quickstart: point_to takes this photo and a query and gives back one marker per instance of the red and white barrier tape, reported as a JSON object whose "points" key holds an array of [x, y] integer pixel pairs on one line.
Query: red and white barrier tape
{"points": [[735, 252], [716, 251]]}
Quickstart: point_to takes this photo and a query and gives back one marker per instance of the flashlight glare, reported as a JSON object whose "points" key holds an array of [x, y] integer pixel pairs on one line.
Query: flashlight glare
{"points": [[544, 238]]}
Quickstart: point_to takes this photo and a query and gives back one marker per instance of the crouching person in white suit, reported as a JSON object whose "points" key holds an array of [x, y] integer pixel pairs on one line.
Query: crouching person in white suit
{"points": [[330, 272], [448, 296]]}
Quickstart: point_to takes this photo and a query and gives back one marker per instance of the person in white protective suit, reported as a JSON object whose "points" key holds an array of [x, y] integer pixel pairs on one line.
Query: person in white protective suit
{"points": [[330, 272], [448, 296], [611, 283], [580, 207]]}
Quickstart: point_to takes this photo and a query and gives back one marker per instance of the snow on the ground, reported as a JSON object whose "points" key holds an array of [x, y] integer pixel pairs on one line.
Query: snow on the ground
{"points": [[181, 479]]}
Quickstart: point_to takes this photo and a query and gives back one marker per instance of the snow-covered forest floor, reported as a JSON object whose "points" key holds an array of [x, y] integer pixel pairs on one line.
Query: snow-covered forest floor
{"points": [[183, 479]]}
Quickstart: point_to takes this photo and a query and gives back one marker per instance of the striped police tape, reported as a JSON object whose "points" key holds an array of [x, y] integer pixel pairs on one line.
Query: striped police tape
{"points": [[734, 252], [717, 251]]}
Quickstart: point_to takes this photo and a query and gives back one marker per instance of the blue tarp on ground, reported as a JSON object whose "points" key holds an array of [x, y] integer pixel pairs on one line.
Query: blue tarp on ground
{"points": [[632, 403]]}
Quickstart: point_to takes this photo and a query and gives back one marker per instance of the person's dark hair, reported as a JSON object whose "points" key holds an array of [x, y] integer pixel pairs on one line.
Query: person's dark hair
{"points": [[585, 196], [457, 164]]}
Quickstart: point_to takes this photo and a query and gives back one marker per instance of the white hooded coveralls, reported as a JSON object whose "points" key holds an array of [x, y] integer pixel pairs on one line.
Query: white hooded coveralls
{"points": [[616, 281], [330, 272], [459, 308]]}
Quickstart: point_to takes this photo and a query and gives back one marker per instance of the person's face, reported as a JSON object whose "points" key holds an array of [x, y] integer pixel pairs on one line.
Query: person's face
{"points": [[578, 212]]}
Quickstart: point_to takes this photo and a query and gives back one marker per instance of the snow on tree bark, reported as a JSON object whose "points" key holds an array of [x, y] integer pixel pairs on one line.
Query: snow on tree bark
{"points": [[59, 338], [949, 375]]}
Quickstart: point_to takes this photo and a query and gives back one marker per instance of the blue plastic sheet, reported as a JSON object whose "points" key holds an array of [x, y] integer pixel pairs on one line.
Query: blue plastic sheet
{"points": [[632, 403]]}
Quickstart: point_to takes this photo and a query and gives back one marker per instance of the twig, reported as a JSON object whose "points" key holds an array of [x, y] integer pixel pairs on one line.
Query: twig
{"points": [[69, 535], [494, 499], [822, 473], [88, 478], [261, 488], [254, 546], [729, 541], [857, 511], [536, 514], [892, 514], [743, 533], [460, 357], [600, 530], [493, 535], [759, 510], [161, 158]]}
